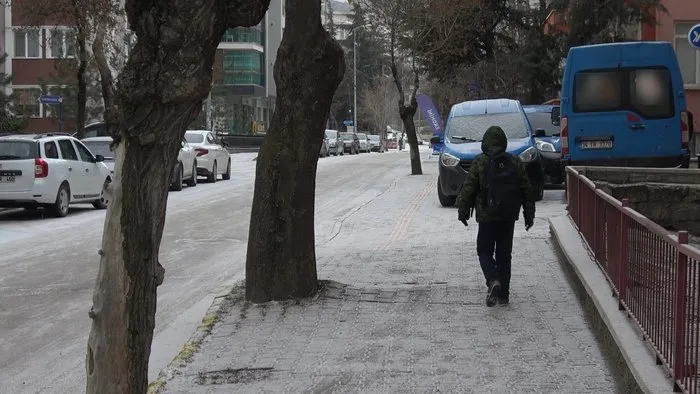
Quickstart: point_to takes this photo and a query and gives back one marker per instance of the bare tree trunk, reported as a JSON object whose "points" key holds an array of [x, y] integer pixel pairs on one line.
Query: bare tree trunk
{"points": [[407, 113], [160, 92], [281, 260]]}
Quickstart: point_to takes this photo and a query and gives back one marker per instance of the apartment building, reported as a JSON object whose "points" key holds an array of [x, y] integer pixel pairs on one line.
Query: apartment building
{"points": [[340, 14]]}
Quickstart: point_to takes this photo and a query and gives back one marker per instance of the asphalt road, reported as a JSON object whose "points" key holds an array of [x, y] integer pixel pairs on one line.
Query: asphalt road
{"points": [[48, 266]]}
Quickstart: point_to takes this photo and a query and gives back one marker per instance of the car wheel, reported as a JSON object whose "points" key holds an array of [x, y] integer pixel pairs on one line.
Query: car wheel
{"points": [[227, 175], [445, 201], [102, 202], [213, 175], [177, 184], [540, 194], [193, 181], [61, 206]]}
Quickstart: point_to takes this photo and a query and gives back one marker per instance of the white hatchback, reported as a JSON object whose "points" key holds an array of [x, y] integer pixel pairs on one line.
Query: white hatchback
{"points": [[50, 171], [212, 157]]}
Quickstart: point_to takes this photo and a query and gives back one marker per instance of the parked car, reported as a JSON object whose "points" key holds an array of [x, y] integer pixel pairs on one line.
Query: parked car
{"points": [[376, 143], [212, 157], [324, 147], [51, 171], [101, 146], [622, 104], [549, 145], [364, 142], [351, 143], [335, 143], [391, 143], [464, 130]]}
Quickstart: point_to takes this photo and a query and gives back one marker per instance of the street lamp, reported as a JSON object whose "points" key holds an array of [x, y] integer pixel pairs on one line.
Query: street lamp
{"points": [[354, 76]]}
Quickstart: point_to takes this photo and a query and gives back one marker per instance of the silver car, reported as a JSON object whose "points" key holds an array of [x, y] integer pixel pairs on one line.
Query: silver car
{"points": [[364, 142]]}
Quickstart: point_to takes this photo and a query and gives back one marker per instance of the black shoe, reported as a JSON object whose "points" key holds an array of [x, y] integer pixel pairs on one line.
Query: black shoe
{"points": [[503, 301], [492, 297]]}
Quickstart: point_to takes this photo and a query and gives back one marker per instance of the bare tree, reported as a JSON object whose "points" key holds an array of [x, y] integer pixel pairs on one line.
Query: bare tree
{"points": [[379, 103], [149, 105], [281, 260]]}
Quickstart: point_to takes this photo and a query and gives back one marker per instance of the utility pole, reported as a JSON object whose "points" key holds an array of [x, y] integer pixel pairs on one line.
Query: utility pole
{"points": [[354, 79]]}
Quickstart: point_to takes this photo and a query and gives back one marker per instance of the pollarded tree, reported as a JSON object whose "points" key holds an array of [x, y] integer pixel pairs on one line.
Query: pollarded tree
{"points": [[281, 259], [148, 107]]}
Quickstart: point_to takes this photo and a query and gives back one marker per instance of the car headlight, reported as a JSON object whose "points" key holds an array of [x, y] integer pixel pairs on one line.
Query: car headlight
{"points": [[528, 154], [544, 146], [448, 160]]}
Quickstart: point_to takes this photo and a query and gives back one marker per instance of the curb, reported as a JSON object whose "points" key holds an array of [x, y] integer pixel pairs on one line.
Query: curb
{"points": [[619, 338], [223, 301]]}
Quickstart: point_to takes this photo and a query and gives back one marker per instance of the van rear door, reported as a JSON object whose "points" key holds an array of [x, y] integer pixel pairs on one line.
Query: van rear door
{"points": [[17, 164]]}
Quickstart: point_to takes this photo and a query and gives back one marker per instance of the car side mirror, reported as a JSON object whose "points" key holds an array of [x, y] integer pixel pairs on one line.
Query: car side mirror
{"points": [[435, 140], [540, 133], [99, 158], [556, 116]]}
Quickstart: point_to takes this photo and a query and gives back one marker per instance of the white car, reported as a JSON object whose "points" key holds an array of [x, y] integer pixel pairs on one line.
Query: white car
{"points": [[364, 143], [185, 169], [212, 157], [50, 171]]}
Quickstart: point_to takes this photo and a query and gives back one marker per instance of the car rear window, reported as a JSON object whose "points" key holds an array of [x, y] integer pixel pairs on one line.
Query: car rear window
{"points": [[646, 91], [194, 138], [543, 120], [463, 129], [18, 150], [331, 134]]}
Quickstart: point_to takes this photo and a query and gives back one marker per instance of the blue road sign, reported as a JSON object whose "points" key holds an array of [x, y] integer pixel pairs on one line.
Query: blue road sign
{"points": [[50, 99], [694, 36], [347, 122]]}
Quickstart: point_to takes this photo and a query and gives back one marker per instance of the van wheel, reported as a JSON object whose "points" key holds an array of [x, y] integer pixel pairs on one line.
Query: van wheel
{"points": [[61, 206], [102, 202], [445, 201]]}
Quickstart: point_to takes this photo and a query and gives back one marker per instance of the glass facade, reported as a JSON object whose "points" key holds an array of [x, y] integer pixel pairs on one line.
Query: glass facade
{"points": [[244, 34], [243, 67]]}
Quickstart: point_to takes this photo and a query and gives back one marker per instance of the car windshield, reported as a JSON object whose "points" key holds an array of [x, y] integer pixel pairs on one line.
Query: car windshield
{"points": [[194, 138], [347, 136], [17, 150], [100, 148], [362, 136], [374, 137], [331, 134], [543, 120], [463, 129]]}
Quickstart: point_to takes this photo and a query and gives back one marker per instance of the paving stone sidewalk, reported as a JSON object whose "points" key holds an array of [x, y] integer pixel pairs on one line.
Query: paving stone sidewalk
{"points": [[403, 311]]}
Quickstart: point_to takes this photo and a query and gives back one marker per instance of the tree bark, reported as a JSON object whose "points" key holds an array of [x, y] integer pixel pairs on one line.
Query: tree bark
{"points": [[160, 91], [81, 74], [281, 259], [407, 113]]}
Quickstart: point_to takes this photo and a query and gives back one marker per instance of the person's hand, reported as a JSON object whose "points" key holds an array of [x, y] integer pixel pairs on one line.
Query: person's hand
{"points": [[529, 222], [463, 217], [464, 222]]}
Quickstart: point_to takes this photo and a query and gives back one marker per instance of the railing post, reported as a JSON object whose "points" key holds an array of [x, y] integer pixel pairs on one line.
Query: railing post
{"points": [[578, 201], [623, 257], [679, 369]]}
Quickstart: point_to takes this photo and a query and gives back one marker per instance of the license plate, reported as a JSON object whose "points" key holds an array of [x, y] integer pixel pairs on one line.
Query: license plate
{"points": [[7, 179], [604, 144]]}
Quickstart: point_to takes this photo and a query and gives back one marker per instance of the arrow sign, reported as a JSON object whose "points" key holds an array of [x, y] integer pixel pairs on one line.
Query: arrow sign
{"points": [[694, 36], [50, 99]]}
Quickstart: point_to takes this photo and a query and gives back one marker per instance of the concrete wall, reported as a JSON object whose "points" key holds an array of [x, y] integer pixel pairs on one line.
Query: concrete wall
{"points": [[669, 197]]}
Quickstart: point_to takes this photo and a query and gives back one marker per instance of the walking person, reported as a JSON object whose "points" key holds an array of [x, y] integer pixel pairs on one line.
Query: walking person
{"points": [[497, 186]]}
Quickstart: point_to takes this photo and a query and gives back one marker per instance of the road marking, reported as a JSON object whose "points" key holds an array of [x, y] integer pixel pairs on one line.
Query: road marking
{"points": [[403, 223]]}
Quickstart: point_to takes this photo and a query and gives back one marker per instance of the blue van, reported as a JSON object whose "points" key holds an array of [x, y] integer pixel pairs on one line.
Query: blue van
{"points": [[623, 104], [549, 146], [464, 130]]}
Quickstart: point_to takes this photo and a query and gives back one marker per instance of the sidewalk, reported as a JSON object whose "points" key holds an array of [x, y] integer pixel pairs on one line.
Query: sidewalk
{"points": [[404, 312]]}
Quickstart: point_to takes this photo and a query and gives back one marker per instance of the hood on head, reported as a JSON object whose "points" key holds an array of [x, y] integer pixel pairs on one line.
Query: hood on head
{"points": [[494, 141]]}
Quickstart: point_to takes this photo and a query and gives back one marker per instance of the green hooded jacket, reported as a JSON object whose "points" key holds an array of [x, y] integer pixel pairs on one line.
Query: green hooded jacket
{"points": [[493, 143]]}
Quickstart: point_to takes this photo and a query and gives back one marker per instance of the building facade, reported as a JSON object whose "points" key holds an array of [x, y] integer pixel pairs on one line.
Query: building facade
{"points": [[340, 15]]}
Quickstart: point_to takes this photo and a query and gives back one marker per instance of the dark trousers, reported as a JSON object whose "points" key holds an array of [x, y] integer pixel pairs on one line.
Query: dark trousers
{"points": [[496, 239]]}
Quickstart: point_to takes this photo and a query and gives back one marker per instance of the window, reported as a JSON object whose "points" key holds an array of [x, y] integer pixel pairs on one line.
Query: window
{"points": [[67, 150], [27, 43], [543, 120], [688, 57], [100, 148], [27, 101], [244, 34], [17, 150], [646, 91], [61, 43], [50, 150], [194, 138], [84, 153]]}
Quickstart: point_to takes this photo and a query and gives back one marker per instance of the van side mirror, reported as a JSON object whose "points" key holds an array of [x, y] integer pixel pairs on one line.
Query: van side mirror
{"points": [[435, 139], [540, 133], [556, 116]]}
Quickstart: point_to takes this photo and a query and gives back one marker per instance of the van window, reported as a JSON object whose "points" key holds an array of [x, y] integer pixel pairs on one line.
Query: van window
{"points": [[646, 91], [471, 128]]}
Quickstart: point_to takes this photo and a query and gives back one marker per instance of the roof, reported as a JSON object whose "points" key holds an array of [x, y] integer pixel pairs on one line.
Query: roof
{"points": [[538, 108], [34, 136], [489, 106], [198, 131], [97, 139]]}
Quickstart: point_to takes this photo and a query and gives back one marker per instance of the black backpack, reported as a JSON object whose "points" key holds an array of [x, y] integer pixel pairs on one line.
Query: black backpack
{"points": [[501, 189]]}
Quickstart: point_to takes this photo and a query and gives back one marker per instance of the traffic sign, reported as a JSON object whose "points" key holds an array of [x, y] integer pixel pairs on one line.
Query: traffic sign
{"points": [[347, 122], [50, 99], [694, 36]]}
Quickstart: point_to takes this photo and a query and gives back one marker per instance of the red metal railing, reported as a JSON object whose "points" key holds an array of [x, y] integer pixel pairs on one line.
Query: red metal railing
{"points": [[654, 275]]}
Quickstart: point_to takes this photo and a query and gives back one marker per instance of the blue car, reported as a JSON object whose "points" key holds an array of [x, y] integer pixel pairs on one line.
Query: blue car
{"points": [[549, 146], [464, 130]]}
